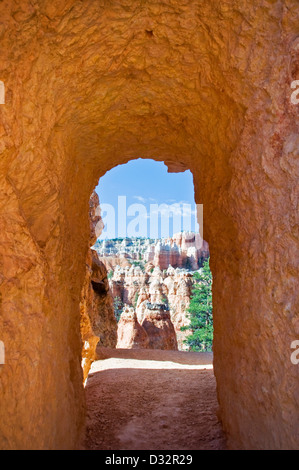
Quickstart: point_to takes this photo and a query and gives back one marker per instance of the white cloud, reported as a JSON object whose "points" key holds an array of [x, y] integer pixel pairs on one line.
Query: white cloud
{"points": [[140, 198]]}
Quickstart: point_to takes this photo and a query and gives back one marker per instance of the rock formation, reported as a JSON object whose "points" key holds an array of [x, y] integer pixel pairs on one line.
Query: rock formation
{"points": [[177, 287], [183, 250], [154, 331], [130, 334], [102, 312], [204, 86], [172, 288], [89, 339], [154, 277], [97, 321], [158, 325]]}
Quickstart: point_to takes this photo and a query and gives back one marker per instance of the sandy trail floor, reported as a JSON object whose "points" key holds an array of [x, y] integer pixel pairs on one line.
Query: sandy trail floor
{"points": [[152, 400]]}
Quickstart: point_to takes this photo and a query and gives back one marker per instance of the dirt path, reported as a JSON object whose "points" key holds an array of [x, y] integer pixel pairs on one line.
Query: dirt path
{"points": [[152, 400]]}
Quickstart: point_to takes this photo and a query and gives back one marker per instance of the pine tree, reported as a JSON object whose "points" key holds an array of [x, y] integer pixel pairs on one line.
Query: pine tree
{"points": [[118, 307], [200, 312]]}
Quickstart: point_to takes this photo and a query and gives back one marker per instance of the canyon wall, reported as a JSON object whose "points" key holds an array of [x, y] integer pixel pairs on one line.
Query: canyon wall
{"points": [[159, 328], [97, 323], [204, 86], [137, 288], [97, 320], [130, 334], [154, 331], [183, 250]]}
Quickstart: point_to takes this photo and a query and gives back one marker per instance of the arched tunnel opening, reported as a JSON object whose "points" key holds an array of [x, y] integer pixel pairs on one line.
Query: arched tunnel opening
{"points": [[209, 87], [146, 315]]}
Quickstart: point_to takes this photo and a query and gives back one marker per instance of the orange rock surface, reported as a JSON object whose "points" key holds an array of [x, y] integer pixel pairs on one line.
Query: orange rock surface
{"points": [[97, 320], [204, 86], [130, 334], [160, 330]]}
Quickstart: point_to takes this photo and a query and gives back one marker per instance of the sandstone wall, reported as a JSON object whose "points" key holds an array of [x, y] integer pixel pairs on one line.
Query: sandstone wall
{"points": [[102, 313], [98, 325], [97, 320], [199, 85]]}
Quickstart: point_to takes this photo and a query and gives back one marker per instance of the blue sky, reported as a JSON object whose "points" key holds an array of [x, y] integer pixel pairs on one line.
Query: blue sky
{"points": [[140, 198]]}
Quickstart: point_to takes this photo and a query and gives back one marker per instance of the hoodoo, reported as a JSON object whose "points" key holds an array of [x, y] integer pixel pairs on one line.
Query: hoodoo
{"points": [[201, 85]]}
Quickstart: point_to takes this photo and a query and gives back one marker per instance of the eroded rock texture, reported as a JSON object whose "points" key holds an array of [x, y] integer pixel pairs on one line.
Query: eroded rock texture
{"points": [[102, 314], [199, 85], [97, 323], [183, 250], [97, 320], [159, 328], [172, 288], [154, 330], [130, 334]]}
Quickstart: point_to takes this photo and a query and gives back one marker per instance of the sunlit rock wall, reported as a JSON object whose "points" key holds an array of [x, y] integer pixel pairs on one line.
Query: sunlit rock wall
{"points": [[204, 86]]}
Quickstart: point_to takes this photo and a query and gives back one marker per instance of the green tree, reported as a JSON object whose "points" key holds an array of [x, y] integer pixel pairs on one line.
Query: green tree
{"points": [[136, 299], [110, 274], [200, 312], [118, 307]]}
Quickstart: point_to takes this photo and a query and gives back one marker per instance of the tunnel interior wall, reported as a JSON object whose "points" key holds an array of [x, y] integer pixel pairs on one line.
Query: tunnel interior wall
{"points": [[203, 86]]}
